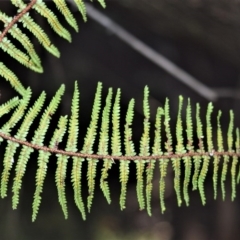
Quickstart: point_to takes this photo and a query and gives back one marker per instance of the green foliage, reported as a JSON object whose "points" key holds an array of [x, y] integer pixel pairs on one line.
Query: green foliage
{"points": [[103, 146], [190, 148], [206, 158], [30, 58], [188, 156], [144, 151], [130, 151], [88, 145], [186, 150]]}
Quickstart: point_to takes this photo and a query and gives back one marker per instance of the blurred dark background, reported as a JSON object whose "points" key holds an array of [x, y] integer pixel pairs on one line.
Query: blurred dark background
{"points": [[200, 36]]}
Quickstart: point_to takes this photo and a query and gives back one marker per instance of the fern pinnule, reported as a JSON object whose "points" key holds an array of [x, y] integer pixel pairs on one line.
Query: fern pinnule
{"points": [[217, 158], [18, 113], [88, 145], [190, 149], [176, 162], [102, 2], [82, 9], [168, 143], [237, 145], [206, 159], [129, 150], [39, 33], [20, 171], [116, 137], [37, 140], [7, 74], [63, 8], [157, 151], [151, 164], [60, 177], [8, 106], [15, 32], [18, 55], [43, 159], [234, 165], [61, 171], [73, 129], [163, 163], [21, 134], [223, 175], [46, 117], [233, 177], [144, 151], [8, 159], [226, 157], [103, 146], [198, 159], [44, 11]]}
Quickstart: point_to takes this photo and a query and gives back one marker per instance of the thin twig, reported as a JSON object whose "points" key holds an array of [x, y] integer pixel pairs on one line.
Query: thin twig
{"points": [[151, 54], [16, 19]]}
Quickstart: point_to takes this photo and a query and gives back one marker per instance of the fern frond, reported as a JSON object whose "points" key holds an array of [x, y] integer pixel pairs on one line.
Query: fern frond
{"points": [[184, 150], [88, 145], [103, 146], [129, 150]]}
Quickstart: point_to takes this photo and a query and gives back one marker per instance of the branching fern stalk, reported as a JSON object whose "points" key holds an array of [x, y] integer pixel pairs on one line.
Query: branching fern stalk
{"points": [[183, 152], [196, 156]]}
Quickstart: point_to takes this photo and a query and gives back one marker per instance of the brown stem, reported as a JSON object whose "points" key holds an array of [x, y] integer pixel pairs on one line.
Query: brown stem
{"points": [[95, 156], [16, 18]]}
